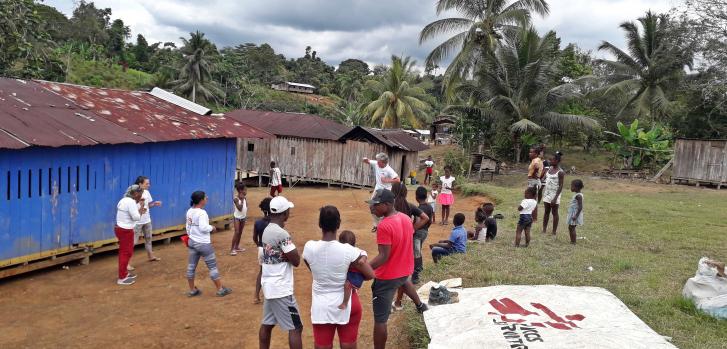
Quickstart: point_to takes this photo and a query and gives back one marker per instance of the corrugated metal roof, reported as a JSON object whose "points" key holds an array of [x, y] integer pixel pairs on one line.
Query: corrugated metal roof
{"points": [[300, 85], [31, 115], [291, 124], [395, 138], [153, 118], [182, 102]]}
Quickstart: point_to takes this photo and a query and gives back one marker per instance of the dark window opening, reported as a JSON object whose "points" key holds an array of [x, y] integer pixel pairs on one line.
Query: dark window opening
{"points": [[30, 183], [50, 181], [292, 150], [250, 147], [20, 178], [78, 178], [68, 179], [40, 182], [60, 181], [7, 196], [94, 180], [88, 171]]}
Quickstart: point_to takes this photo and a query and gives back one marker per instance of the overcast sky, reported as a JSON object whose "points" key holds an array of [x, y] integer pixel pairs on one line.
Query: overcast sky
{"points": [[371, 30]]}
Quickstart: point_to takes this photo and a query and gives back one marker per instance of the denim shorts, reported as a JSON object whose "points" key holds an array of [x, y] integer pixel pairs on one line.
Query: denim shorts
{"points": [[525, 221]]}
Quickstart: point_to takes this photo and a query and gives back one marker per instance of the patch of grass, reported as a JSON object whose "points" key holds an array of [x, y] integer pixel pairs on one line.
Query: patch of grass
{"points": [[643, 242]]}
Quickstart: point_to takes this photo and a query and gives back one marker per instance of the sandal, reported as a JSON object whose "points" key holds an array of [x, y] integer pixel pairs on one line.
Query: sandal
{"points": [[233, 253], [239, 250], [394, 307], [130, 268], [224, 292], [194, 293], [154, 259]]}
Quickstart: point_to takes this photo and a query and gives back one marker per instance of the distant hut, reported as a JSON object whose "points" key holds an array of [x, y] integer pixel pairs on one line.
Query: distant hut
{"points": [[703, 161], [441, 129], [294, 87], [306, 147], [68, 153], [403, 150]]}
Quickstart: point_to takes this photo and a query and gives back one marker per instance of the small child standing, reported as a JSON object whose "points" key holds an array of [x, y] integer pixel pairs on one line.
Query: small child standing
{"points": [[575, 209], [526, 208], [240, 217], [432, 201], [354, 278], [446, 197], [276, 180]]}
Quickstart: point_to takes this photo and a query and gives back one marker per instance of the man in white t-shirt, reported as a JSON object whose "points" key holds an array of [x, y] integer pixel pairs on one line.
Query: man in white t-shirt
{"points": [[279, 258], [385, 176]]}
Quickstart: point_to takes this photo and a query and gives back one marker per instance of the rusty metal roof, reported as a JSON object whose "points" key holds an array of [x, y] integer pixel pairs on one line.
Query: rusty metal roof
{"points": [[31, 115], [291, 124], [153, 118], [394, 138]]}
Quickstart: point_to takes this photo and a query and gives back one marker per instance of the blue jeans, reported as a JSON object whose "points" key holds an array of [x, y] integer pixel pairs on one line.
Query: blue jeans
{"points": [[439, 252], [198, 250]]}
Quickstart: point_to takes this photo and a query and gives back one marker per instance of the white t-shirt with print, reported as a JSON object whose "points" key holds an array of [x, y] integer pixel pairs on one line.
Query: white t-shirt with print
{"points": [[429, 163], [146, 217], [198, 226], [275, 179], [329, 262], [447, 184], [386, 172], [528, 206], [277, 276], [127, 213]]}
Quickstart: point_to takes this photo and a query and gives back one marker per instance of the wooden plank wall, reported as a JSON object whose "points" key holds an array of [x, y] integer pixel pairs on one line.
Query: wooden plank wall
{"points": [[703, 160], [320, 160]]}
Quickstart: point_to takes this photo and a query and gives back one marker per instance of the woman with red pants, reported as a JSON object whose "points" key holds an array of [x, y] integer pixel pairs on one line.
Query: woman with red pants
{"points": [[127, 214], [329, 261]]}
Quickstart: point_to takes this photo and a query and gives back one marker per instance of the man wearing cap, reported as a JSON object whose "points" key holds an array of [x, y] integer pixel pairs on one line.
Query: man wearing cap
{"points": [[279, 258], [394, 263], [385, 176]]}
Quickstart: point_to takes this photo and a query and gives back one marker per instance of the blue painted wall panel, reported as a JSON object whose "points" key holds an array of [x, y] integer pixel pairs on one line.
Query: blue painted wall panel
{"points": [[52, 198]]}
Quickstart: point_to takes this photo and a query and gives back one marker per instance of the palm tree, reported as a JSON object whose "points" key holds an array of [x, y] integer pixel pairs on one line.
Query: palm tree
{"points": [[645, 73], [477, 32], [350, 86], [398, 99], [196, 74], [514, 87]]}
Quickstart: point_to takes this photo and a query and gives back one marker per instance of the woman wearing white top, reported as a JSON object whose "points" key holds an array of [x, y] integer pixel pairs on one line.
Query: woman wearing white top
{"points": [[329, 261], [127, 214], [200, 245], [446, 197]]}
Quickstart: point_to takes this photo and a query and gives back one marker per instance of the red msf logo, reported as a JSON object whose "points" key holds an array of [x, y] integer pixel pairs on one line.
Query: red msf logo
{"points": [[507, 308]]}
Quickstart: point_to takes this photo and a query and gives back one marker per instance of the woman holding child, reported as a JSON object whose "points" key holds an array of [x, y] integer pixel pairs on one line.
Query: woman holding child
{"points": [[329, 261]]}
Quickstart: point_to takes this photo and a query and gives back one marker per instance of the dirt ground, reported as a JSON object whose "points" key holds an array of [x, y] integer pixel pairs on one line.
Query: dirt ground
{"points": [[83, 307]]}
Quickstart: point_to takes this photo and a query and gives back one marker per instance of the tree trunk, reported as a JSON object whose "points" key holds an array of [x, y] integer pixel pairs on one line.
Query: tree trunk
{"points": [[194, 93], [517, 147]]}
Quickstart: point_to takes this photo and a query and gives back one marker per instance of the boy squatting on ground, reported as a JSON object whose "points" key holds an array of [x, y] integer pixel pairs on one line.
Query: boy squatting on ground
{"points": [[526, 208], [354, 278], [457, 242]]}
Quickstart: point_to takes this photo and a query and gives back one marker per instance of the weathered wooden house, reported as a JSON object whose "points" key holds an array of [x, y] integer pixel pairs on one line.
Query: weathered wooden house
{"points": [[306, 147], [314, 149], [68, 152], [701, 161], [441, 129]]}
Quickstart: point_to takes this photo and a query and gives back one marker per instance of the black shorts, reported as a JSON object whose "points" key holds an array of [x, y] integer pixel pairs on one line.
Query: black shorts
{"points": [[382, 294], [526, 220]]}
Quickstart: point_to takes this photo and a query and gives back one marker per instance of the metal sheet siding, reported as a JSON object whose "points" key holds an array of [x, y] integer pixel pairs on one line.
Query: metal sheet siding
{"points": [[42, 212]]}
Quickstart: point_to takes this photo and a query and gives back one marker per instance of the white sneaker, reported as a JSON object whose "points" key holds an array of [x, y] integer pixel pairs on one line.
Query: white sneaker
{"points": [[125, 282]]}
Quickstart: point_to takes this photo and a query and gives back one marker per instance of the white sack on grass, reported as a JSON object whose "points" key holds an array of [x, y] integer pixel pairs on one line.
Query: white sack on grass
{"points": [[521, 317], [707, 290]]}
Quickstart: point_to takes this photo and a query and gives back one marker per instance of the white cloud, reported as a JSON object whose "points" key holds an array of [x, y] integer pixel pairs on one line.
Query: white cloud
{"points": [[338, 29]]}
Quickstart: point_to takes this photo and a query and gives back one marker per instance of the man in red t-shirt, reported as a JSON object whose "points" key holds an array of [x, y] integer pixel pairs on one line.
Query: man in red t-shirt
{"points": [[395, 262]]}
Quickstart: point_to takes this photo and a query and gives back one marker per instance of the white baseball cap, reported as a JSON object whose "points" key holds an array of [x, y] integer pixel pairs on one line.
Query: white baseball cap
{"points": [[280, 204]]}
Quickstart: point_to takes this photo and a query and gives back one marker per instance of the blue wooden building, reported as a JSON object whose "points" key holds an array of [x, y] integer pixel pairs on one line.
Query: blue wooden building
{"points": [[68, 152]]}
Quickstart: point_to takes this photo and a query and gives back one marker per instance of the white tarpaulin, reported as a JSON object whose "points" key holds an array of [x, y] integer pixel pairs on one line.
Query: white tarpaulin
{"points": [[520, 317]]}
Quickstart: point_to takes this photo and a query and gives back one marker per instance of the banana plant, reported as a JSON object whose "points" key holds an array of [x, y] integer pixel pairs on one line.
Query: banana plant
{"points": [[638, 148]]}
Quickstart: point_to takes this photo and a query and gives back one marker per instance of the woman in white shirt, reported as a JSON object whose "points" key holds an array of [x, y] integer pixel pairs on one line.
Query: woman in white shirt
{"points": [[143, 226], [446, 197], [127, 214], [329, 261], [200, 245]]}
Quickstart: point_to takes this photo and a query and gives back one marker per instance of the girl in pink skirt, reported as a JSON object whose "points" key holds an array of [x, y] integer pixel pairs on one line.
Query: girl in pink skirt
{"points": [[446, 197]]}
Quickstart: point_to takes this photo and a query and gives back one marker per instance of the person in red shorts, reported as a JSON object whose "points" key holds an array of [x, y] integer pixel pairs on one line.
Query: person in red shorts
{"points": [[429, 164], [329, 261], [276, 180], [395, 262]]}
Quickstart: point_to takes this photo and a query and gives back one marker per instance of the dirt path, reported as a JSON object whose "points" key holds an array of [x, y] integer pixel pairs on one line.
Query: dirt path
{"points": [[83, 307]]}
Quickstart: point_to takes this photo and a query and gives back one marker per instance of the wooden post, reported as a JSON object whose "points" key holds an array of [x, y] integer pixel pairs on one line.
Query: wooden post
{"points": [[85, 260], [168, 241]]}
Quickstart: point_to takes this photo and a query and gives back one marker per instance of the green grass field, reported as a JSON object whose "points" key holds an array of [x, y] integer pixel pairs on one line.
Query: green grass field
{"points": [[642, 240]]}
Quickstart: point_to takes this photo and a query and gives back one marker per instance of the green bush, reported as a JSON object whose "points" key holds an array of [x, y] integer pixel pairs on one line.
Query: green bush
{"points": [[458, 162]]}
